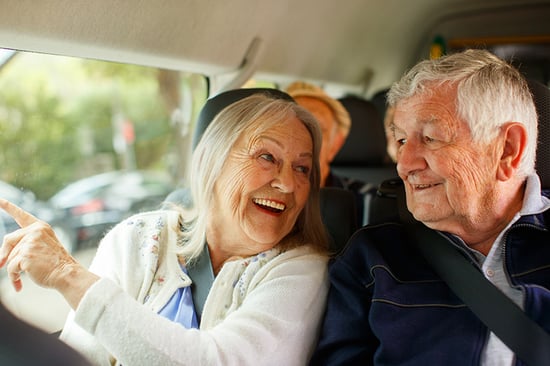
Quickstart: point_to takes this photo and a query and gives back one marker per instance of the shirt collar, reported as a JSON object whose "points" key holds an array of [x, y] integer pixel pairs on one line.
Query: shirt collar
{"points": [[533, 200]]}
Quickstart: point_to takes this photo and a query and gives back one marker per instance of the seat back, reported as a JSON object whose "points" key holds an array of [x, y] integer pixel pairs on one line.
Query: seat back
{"points": [[364, 155], [339, 216], [380, 101], [541, 97]]}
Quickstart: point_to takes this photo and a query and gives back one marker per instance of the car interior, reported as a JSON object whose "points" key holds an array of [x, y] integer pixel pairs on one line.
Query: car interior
{"points": [[196, 50]]}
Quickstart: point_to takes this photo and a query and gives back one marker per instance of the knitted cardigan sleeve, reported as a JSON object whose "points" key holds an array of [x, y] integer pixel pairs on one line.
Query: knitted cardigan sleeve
{"points": [[264, 311], [128, 257]]}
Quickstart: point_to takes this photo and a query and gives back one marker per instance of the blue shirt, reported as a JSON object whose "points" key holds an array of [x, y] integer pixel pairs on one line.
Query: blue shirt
{"points": [[180, 308]]}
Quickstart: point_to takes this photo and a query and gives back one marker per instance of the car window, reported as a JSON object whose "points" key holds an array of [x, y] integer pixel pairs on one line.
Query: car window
{"points": [[86, 143]]}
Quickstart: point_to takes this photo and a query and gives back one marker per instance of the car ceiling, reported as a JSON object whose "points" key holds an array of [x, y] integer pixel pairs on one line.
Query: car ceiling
{"points": [[354, 43]]}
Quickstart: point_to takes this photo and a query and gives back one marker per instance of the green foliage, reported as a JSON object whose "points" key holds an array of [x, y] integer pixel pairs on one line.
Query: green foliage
{"points": [[38, 144], [57, 116]]}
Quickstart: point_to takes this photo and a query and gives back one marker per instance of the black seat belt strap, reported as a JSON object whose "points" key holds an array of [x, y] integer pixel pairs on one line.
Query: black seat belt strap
{"points": [[202, 275], [528, 340]]}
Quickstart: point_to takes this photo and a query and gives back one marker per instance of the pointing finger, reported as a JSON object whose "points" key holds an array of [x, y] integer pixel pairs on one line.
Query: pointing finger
{"points": [[22, 217]]}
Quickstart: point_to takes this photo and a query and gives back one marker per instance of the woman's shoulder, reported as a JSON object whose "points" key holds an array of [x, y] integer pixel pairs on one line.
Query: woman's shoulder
{"points": [[144, 229], [151, 220], [301, 262], [304, 251], [303, 256], [140, 240]]}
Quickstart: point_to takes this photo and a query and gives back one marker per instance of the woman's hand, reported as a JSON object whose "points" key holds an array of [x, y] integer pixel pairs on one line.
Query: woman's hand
{"points": [[35, 249]]}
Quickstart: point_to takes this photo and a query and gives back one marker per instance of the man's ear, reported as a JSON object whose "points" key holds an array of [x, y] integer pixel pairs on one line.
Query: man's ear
{"points": [[337, 143], [515, 141]]}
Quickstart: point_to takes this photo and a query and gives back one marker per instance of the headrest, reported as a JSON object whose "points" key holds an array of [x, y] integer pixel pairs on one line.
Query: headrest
{"points": [[380, 101], [366, 142], [541, 97], [215, 104]]}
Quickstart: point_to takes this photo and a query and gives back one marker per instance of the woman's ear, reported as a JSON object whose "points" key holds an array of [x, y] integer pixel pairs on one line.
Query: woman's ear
{"points": [[515, 141]]}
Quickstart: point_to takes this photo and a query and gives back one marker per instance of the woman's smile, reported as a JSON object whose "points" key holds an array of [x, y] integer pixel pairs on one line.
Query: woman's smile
{"points": [[269, 205]]}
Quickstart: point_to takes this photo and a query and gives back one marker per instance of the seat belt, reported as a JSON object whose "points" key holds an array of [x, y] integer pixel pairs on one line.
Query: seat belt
{"points": [[527, 339], [202, 275]]}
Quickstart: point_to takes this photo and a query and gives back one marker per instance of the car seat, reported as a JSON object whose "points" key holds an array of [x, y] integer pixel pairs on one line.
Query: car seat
{"points": [[541, 97], [364, 155]]}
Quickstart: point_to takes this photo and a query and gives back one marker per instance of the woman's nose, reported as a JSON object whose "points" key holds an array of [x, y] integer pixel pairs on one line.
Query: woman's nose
{"points": [[284, 179]]}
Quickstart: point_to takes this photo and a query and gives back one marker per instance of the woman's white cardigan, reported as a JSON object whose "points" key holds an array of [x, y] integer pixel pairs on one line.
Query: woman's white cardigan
{"points": [[261, 310]]}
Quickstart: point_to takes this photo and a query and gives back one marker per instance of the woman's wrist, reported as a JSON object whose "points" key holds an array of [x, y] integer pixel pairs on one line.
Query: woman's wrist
{"points": [[73, 282]]}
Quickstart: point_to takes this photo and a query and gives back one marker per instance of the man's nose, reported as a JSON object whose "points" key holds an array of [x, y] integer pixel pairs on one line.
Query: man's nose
{"points": [[410, 158]]}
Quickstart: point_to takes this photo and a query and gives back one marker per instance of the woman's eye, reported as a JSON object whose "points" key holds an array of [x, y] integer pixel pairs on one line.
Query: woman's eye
{"points": [[267, 157], [428, 139], [401, 141]]}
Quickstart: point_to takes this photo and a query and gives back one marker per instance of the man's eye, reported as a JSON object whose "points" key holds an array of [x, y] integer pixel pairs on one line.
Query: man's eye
{"points": [[428, 139], [303, 169], [401, 141]]}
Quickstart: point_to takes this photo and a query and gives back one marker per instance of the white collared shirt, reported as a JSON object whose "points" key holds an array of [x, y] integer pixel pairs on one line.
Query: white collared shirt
{"points": [[495, 352]]}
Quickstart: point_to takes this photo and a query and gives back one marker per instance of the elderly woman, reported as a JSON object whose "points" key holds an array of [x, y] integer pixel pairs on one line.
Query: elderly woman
{"points": [[256, 224]]}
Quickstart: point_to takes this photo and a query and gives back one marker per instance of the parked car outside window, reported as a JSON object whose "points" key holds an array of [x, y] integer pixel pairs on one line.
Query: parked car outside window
{"points": [[94, 204]]}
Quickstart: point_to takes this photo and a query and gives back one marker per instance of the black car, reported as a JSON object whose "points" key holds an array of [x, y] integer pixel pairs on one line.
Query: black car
{"points": [[42, 210], [94, 204]]}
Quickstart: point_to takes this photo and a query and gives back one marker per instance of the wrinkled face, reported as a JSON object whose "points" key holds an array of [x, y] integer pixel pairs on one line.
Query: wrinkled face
{"points": [[263, 188], [448, 178], [329, 128]]}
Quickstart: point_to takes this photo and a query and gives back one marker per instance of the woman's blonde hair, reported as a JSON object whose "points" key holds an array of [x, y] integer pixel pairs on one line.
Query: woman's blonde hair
{"points": [[252, 115]]}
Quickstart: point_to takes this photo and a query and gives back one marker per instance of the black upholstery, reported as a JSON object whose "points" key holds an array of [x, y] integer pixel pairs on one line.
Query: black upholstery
{"points": [[337, 205], [380, 101], [214, 105], [541, 97], [339, 216], [383, 205], [364, 155]]}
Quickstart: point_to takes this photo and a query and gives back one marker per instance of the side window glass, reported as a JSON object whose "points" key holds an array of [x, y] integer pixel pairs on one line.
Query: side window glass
{"points": [[84, 144]]}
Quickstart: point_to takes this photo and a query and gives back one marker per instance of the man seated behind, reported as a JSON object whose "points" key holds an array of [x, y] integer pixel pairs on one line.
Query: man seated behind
{"points": [[466, 130], [335, 124]]}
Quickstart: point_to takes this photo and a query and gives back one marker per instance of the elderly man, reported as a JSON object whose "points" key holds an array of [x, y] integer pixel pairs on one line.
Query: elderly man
{"points": [[335, 124], [466, 130]]}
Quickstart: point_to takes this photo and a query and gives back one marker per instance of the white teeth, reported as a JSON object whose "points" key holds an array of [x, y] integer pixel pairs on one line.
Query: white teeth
{"points": [[422, 186], [268, 203]]}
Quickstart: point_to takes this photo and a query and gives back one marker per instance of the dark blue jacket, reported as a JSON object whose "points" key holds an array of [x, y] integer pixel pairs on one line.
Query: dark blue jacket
{"points": [[386, 306]]}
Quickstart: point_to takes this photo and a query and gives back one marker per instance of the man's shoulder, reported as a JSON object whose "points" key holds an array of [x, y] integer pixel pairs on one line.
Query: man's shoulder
{"points": [[372, 241], [385, 247]]}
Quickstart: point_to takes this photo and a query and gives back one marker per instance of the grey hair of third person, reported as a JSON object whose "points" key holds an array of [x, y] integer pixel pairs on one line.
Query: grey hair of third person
{"points": [[490, 93], [252, 116]]}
